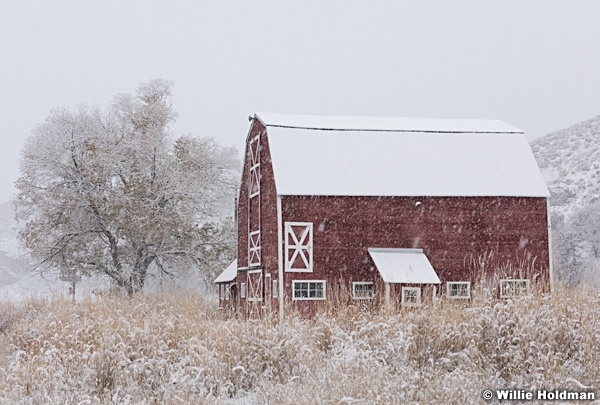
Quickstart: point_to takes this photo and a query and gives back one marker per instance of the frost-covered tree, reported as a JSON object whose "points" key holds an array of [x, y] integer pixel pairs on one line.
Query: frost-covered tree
{"points": [[576, 243], [112, 192], [567, 247], [586, 222]]}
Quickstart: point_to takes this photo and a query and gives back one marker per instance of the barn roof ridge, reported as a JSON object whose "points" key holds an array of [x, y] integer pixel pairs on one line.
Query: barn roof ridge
{"points": [[386, 124], [395, 130]]}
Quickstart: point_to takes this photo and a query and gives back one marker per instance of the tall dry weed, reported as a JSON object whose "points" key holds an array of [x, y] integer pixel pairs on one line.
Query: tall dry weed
{"points": [[178, 348]]}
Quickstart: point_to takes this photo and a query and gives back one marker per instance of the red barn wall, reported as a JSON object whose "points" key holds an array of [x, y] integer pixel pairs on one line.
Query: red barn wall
{"points": [[268, 222], [450, 230], [227, 301]]}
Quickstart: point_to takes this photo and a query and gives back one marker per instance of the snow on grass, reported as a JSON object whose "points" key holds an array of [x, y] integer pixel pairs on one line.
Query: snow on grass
{"points": [[168, 348], [31, 285]]}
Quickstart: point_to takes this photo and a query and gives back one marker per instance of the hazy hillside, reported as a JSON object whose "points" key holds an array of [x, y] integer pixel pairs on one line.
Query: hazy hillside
{"points": [[16, 281], [11, 269], [570, 162]]}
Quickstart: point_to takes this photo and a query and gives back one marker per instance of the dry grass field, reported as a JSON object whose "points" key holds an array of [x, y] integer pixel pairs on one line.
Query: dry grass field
{"points": [[178, 349]]}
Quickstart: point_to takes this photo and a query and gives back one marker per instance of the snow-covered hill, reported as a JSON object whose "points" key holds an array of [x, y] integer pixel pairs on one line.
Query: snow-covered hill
{"points": [[11, 267], [9, 244], [570, 162]]}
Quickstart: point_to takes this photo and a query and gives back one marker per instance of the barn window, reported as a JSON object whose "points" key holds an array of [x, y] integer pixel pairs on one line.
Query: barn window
{"points": [[254, 183], [254, 248], [513, 288], [226, 292], [275, 289], [411, 296], [255, 292], [243, 290], [309, 290], [362, 290], [458, 289], [299, 246]]}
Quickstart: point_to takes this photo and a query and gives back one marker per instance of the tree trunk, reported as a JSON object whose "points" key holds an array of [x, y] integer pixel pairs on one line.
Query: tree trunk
{"points": [[138, 278]]}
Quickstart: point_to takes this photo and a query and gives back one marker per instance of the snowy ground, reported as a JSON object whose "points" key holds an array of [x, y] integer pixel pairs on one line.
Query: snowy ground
{"points": [[33, 285]]}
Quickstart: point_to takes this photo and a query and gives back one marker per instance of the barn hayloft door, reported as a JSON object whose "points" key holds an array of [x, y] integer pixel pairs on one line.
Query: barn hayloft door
{"points": [[254, 275], [254, 203]]}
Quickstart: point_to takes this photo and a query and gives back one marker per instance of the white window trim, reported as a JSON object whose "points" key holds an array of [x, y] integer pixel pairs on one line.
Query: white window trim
{"points": [[357, 283], [458, 297], [254, 288], [294, 298], [254, 251], [242, 290], [513, 280], [411, 304], [275, 289], [301, 248], [227, 287]]}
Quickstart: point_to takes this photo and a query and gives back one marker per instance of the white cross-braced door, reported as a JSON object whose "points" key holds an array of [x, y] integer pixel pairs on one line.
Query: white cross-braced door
{"points": [[299, 246], [255, 292], [254, 249], [254, 183]]}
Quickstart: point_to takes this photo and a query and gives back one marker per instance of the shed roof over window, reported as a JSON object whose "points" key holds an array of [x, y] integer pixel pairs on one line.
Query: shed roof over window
{"points": [[228, 274], [404, 266], [390, 156]]}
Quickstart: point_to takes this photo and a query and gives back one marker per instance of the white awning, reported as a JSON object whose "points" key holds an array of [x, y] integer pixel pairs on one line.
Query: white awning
{"points": [[228, 274], [404, 266]]}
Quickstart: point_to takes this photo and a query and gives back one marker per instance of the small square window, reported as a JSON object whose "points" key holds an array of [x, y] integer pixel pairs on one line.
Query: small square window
{"points": [[513, 288], [411, 296], [459, 289], [362, 290], [309, 290]]}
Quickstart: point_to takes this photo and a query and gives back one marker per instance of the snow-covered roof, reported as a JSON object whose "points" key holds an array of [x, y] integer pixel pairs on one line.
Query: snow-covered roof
{"points": [[380, 156], [228, 274], [404, 266]]}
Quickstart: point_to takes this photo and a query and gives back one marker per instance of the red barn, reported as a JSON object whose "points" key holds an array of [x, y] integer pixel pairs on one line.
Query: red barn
{"points": [[396, 210]]}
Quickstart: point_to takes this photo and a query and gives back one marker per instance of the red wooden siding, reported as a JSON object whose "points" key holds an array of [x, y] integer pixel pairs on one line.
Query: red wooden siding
{"points": [[450, 230]]}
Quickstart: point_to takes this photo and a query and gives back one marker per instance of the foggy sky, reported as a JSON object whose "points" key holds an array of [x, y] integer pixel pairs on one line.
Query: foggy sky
{"points": [[533, 64]]}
